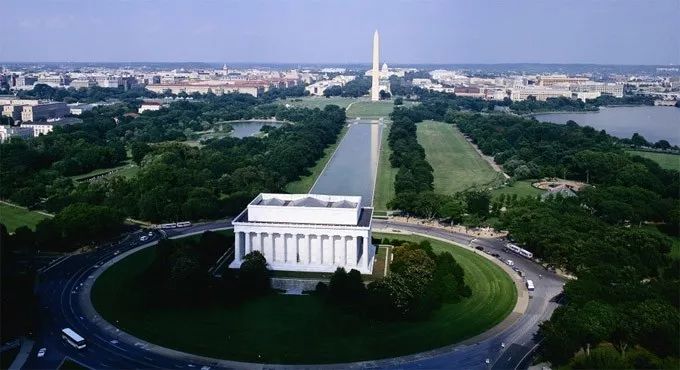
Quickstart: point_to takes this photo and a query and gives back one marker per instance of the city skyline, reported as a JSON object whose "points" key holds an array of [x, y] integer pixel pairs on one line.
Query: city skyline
{"points": [[434, 32]]}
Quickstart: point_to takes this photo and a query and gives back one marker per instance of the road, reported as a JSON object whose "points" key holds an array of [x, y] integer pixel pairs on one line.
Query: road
{"points": [[64, 302]]}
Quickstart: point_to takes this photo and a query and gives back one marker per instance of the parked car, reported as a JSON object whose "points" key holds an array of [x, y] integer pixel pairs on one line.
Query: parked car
{"points": [[479, 248], [41, 352]]}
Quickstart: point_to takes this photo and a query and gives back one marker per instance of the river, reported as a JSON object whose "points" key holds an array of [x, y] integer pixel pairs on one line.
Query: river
{"points": [[353, 168], [654, 123]]}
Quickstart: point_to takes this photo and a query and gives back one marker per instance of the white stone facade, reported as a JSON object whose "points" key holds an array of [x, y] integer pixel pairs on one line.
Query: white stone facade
{"points": [[306, 232]]}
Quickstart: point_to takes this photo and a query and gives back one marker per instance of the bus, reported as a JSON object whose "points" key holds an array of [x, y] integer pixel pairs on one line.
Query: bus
{"points": [[73, 338], [530, 285], [183, 224]]}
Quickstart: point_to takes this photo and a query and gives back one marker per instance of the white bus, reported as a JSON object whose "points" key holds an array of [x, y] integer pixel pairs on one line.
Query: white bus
{"points": [[184, 224], [526, 253], [512, 247], [73, 338], [530, 285]]}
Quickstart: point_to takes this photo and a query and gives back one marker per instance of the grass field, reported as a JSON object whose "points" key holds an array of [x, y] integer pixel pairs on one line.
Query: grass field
{"points": [[521, 188], [318, 101], [300, 329], [665, 160], [456, 164], [384, 185], [370, 109], [14, 217], [304, 184]]}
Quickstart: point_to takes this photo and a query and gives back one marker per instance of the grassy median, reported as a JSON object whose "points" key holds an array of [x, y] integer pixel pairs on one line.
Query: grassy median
{"points": [[457, 166], [301, 329]]}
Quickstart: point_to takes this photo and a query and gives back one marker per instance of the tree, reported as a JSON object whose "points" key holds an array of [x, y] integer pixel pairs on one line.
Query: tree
{"points": [[639, 140], [139, 150], [254, 276], [399, 101]]}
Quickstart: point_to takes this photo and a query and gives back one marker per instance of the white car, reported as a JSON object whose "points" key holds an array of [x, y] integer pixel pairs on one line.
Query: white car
{"points": [[41, 352], [143, 238]]}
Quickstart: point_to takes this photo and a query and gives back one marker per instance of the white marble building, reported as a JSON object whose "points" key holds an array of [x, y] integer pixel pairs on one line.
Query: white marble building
{"points": [[306, 232]]}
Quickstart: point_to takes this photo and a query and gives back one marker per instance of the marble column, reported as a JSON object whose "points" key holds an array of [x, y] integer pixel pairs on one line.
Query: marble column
{"points": [[365, 249], [237, 247], [249, 246]]}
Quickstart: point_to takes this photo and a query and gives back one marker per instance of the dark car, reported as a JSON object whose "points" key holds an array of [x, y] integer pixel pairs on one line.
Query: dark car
{"points": [[479, 248]]}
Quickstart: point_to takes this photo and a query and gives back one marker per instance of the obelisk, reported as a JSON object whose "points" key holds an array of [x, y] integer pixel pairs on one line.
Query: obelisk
{"points": [[375, 74]]}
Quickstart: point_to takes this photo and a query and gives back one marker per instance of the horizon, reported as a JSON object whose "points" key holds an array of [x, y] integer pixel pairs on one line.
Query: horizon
{"points": [[309, 32]]}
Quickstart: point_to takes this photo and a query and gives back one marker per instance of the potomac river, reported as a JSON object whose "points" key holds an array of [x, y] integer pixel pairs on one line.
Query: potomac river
{"points": [[654, 123]]}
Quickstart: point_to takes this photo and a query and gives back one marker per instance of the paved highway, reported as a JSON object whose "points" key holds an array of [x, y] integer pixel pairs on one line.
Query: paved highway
{"points": [[64, 302]]}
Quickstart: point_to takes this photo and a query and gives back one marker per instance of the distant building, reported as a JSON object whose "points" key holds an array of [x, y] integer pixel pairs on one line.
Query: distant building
{"points": [[78, 109], [551, 80], [24, 82], [109, 82], [84, 83], [7, 132], [44, 128], [253, 88], [149, 106], [44, 111]]}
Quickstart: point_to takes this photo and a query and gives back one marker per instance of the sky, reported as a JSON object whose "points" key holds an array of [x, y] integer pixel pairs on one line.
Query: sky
{"points": [[334, 31]]}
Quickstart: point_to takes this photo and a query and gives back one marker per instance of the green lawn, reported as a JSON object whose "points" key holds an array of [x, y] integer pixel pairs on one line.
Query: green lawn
{"points": [[384, 186], [665, 160], [675, 248], [456, 164], [304, 184], [14, 217], [521, 188], [300, 329], [370, 109], [318, 101]]}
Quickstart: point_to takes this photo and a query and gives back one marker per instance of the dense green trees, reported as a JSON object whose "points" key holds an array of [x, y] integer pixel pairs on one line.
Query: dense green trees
{"points": [[253, 276], [419, 282], [18, 304], [175, 181]]}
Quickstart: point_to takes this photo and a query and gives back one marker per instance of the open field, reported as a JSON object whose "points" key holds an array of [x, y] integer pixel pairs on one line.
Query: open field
{"points": [[14, 217], [522, 188], [665, 160], [384, 185], [304, 184], [456, 164], [300, 329], [318, 101], [370, 109]]}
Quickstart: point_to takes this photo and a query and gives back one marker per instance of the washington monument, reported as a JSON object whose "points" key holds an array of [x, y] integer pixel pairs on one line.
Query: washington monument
{"points": [[375, 74]]}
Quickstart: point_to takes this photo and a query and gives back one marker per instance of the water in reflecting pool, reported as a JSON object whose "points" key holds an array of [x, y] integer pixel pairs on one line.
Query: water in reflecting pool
{"points": [[353, 168]]}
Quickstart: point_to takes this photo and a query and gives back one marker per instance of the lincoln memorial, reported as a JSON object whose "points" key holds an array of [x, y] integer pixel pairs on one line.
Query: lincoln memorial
{"points": [[306, 232]]}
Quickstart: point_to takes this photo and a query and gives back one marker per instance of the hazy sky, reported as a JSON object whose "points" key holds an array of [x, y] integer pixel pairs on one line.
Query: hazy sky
{"points": [[299, 31]]}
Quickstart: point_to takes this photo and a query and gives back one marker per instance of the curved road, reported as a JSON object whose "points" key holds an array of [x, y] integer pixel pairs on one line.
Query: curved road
{"points": [[62, 297]]}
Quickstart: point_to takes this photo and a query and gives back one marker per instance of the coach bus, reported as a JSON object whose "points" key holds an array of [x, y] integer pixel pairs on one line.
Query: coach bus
{"points": [[73, 338]]}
